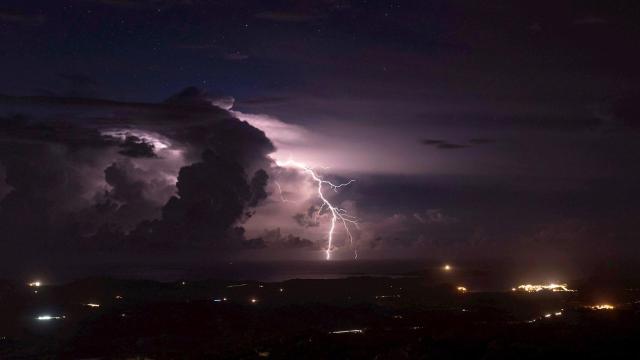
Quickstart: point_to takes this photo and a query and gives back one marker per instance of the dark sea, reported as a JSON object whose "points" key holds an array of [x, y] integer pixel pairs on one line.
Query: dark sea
{"points": [[481, 275]]}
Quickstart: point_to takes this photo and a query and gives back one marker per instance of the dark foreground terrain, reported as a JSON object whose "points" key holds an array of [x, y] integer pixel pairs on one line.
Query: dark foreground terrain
{"points": [[354, 318]]}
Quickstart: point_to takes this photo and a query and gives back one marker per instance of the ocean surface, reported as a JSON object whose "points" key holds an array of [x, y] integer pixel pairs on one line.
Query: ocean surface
{"points": [[482, 275]]}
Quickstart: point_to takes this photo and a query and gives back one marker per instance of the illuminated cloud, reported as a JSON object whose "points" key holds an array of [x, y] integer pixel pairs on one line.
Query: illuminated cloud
{"points": [[144, 168], [286, 137]]}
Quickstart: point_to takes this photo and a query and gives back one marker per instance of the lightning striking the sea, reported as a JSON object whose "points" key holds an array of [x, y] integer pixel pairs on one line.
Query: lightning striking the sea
{"points": [[337, 214]]}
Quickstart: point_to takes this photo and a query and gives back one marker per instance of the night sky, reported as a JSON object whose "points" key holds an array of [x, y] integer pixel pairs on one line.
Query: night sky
{"points": [[474, 130]]}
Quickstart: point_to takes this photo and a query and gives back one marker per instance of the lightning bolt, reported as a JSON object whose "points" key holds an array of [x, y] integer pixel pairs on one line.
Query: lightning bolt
{"points": [[338, 215], [282, 198]]}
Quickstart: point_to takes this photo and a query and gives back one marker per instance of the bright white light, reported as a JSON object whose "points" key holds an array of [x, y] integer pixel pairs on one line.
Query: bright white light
{"points": [[35, 284], [93, 305], [49, 317], [351, 331], [254, 300], [387, 296], [461, 289], [446, 267]]}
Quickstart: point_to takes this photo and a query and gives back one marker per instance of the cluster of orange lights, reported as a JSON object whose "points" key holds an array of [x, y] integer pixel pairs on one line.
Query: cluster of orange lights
{"points": [[536, 288], [602, 307]]}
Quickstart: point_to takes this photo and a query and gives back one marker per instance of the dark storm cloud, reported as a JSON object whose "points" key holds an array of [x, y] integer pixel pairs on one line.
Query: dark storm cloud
{"points": [[296, 242], [134, 146], [46, 181], [257, 187], [75, 181], [129, 201], [275, 239], [186, 117], [212, 195], [125, 188], [308, 218]]}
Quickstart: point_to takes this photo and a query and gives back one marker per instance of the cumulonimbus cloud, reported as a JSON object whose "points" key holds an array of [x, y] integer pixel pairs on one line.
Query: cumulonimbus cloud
{"points": [[181, 172]]}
